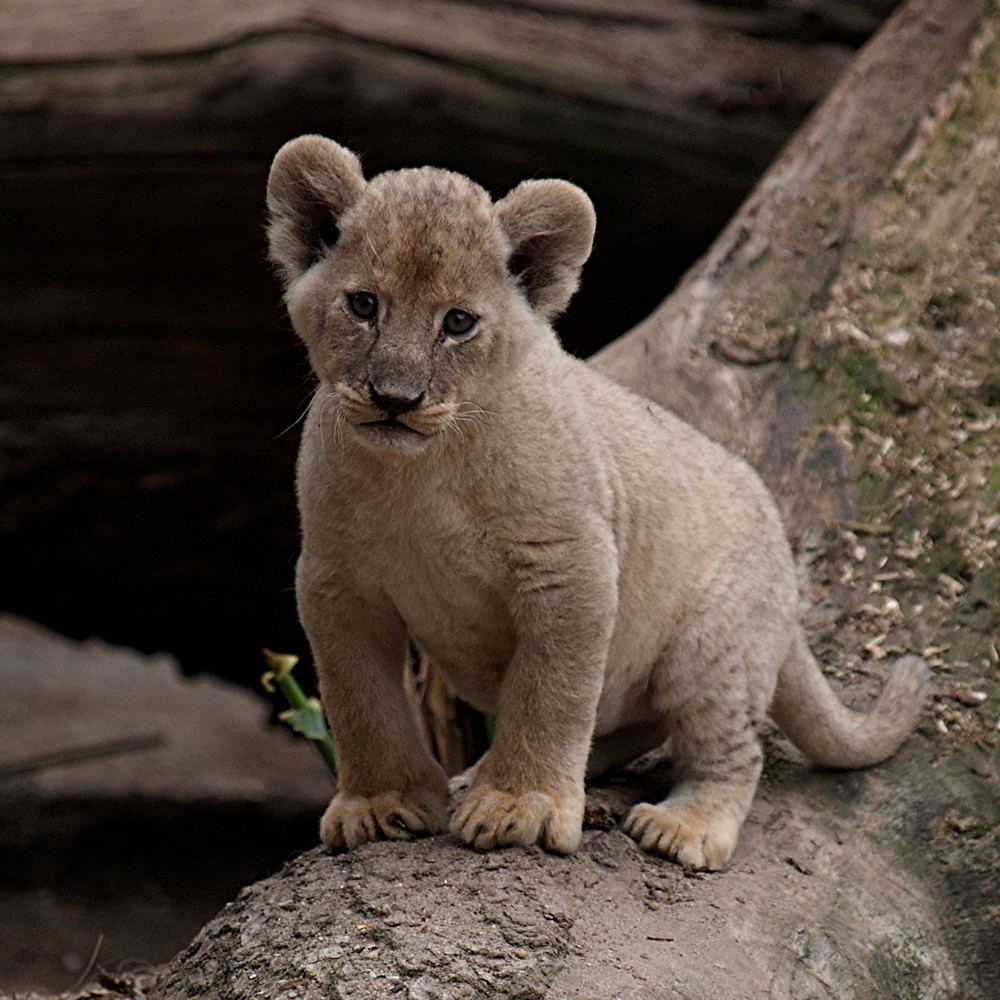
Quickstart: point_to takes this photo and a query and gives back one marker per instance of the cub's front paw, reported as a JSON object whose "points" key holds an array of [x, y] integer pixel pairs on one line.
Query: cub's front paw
{"points": [[690, 833], [489, 817], [351, 820]]}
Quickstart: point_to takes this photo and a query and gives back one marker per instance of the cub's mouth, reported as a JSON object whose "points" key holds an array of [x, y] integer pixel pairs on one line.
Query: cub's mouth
{"points": [[390, 427]]}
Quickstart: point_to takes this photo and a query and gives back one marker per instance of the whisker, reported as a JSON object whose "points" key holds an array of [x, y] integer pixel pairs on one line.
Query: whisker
{"points": [[298, 420], [475, 407], [469, 417], [456, 426], [324, 402], [340, 427], [334, 412], [470, 410]]}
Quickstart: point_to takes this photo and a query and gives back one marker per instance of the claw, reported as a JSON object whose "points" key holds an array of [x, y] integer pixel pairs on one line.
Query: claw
{"points": [[490, 817], [352, 820], [693, 835]]}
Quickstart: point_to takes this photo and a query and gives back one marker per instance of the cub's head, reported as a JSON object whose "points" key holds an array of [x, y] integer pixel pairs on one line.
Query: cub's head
{"points": [[415, 294]]}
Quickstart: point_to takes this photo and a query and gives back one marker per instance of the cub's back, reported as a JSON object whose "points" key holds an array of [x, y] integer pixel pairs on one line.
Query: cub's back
{"points": [[690, 512]]}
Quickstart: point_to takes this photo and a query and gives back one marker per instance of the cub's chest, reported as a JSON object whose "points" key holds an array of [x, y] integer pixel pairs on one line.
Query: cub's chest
{"points": [[436, 565]]}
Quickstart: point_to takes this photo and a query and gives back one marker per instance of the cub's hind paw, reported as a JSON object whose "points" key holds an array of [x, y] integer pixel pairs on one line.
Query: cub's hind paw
{"points": [[692, 834], [352, 820], [489, 817], [459, 785]]}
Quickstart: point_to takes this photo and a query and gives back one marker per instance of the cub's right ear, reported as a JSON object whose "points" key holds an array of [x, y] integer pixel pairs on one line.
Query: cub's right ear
{"points": [[313, 181]]}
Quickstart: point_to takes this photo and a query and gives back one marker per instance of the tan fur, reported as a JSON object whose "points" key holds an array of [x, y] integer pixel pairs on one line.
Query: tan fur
{"points": [[578, 561]]}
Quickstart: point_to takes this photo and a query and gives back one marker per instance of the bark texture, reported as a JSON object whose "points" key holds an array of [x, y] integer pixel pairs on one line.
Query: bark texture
{"points": [[842, 333], [717, 350], [811, 909]]}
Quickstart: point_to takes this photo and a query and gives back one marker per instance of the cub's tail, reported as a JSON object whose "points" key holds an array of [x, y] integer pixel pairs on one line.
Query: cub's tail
{"points": [[813, 718]]}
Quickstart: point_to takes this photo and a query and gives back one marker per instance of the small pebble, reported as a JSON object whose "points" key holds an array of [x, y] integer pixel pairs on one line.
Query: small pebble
{"points": [[962, 824], [973, 699]]}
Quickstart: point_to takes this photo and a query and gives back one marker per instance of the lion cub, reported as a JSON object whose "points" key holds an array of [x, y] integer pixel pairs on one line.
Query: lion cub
{"points": [[575, 559]]}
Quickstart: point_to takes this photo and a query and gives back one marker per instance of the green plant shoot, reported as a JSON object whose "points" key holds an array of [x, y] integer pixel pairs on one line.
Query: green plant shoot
{"points": [[305, 715]]}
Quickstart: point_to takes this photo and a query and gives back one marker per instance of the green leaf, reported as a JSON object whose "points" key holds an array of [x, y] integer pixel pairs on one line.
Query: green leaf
{"points": [[307, 720]]}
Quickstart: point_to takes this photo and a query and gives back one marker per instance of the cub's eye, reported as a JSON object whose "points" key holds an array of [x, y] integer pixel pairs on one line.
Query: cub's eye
{"points": [[364, 305], [458, 322]]}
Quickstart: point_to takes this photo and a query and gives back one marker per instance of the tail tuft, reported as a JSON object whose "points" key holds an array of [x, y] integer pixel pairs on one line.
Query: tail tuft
{"points": [[813, 717], [904, 696]]}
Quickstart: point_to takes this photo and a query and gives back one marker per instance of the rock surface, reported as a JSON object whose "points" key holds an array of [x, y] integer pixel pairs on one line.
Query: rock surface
{"points": [[133, 803], [86, 721], [827, 897]]}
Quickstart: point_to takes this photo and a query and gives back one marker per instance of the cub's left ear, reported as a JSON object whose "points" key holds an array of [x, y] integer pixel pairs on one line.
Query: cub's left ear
{"points": [[550, 225]]}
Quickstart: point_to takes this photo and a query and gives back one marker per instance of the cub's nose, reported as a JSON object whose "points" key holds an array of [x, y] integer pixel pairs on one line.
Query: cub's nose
{"points": [[394, 401]]}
